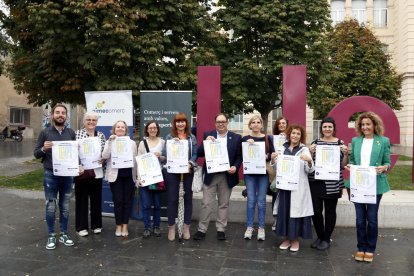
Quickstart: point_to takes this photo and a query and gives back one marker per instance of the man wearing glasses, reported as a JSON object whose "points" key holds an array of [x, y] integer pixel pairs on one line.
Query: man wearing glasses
{"points": [[219, 184]]}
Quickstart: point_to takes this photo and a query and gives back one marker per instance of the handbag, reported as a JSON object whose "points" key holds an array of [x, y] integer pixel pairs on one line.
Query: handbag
{"points": [[197, 185], [85, 177], [160, 186]]}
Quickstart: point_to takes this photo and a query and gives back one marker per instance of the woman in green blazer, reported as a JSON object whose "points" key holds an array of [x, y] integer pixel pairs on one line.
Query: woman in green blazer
{"points": [[370, 148]]}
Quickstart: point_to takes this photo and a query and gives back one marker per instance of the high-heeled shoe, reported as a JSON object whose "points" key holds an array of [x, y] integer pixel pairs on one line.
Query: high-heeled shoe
{"points": [[186, 231]]}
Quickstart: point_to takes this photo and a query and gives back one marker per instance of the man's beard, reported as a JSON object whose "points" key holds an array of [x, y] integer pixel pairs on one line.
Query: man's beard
{"points": [[57, 123]]}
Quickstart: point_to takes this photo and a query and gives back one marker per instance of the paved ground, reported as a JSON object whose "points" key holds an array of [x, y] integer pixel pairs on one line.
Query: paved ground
{"points": [[22, 250]]}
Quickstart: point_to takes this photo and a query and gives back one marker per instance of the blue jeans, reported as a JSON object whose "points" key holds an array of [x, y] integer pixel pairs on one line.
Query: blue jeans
{"points": [[367, 225], [256, 193], [54, 185], [147, 196]]}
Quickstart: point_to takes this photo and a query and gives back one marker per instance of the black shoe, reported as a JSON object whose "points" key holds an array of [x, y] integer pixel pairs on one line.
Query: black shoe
{"points": [[323, 245], [316, 243], [221, 236], [199, 236]]}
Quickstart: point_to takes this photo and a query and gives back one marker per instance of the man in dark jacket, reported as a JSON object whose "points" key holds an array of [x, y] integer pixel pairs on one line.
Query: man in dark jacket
{"points": [[220, 183], [54, 185]]}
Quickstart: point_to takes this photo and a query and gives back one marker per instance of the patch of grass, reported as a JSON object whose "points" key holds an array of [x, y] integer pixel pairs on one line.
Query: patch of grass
{"points": [[400, 178], [404, 158], [27, 181]]}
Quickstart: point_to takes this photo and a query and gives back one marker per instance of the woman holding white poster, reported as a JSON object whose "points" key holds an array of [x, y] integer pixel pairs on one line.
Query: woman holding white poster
{"points": [[88, 187], [151, 143], [325, 193], [121, 180], [257, 184], [294, 207], [369, 149], [180, 132]]}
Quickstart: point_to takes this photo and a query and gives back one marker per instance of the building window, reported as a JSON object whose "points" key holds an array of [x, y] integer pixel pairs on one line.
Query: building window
{"points": [[380, 13], [337, 11], [19, 116], [359, 8], [236, 123], [316, 126]]}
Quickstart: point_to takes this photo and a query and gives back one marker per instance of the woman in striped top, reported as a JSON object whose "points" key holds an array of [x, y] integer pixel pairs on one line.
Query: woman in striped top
{"points": [[325, 193]]}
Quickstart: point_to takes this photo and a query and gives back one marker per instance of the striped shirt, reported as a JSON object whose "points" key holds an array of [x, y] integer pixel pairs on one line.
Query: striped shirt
{"points": [[332, 186]]}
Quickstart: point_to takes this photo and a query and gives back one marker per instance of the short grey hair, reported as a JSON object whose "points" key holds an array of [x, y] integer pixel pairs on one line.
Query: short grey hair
{"points": [[90, 114]]}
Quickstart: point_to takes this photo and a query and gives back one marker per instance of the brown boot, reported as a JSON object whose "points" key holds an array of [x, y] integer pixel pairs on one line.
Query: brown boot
{"points": [[186, 231], [171, 232]]}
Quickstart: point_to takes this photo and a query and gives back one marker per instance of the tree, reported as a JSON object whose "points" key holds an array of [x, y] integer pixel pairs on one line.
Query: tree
{"points": [[359, 67], [63, 48], [262, 37]]}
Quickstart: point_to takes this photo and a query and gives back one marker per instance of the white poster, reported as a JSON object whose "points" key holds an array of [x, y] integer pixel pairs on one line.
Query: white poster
{"points": [[217, 158], [121, 153], [65, 158], [90, 152], [177, 156], [288, 171], [254, 158], [363, 186], [327, 162], [278, 141], [149, 169]]}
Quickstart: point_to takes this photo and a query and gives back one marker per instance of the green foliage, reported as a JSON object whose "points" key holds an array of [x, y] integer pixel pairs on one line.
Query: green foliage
{"points": [[400, 178], [27, 181], [359, 66], [63, 48], [262, 37]]}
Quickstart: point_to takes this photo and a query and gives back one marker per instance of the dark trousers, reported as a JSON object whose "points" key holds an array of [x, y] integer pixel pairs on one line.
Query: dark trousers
{"points": [[367, 225], [90, 190], [173, 188], [324, 227], [122, 193]]}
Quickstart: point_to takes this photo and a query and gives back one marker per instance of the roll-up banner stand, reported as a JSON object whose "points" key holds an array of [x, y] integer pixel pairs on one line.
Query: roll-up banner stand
{"points": [[111, 106], [162, 106]]}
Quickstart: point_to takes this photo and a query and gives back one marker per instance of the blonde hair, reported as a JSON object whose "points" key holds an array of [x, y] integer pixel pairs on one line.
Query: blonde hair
{"points": [[376, 121], [120, 121], [255, 117]]}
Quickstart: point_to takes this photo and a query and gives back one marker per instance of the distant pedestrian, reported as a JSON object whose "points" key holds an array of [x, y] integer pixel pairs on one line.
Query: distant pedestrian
{"points": [[54, 185], [370, 148]]}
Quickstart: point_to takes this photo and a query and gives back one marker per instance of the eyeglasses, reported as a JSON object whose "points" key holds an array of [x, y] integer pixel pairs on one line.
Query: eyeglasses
{"points": [[91, 120], [221, 122]]}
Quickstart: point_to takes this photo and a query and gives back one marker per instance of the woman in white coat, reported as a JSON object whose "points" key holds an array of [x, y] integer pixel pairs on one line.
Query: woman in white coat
{"points": [[121, 181], [294, 208]]}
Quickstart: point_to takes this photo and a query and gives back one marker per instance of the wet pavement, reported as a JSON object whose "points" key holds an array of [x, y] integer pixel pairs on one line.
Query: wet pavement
{"points": [[23, 238]]}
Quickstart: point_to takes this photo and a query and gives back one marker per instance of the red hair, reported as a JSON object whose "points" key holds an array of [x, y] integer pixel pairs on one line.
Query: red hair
{"points": [[179, 117]]}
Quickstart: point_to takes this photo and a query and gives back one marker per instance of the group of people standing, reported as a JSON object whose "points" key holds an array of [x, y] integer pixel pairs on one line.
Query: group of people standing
{"points": [[314, 200]]}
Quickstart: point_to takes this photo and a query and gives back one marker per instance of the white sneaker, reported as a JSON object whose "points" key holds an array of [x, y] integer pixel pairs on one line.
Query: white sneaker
{"points": [[97, 230], [83, 233], [261, 234], [248, 234]]}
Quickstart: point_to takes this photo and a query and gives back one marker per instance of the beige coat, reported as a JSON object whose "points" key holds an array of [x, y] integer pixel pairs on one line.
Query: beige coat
{"points": [[112, 173]]}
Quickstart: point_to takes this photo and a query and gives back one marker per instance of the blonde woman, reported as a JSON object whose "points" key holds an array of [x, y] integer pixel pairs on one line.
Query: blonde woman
{"points": [[121, 181], [257, 184]]}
